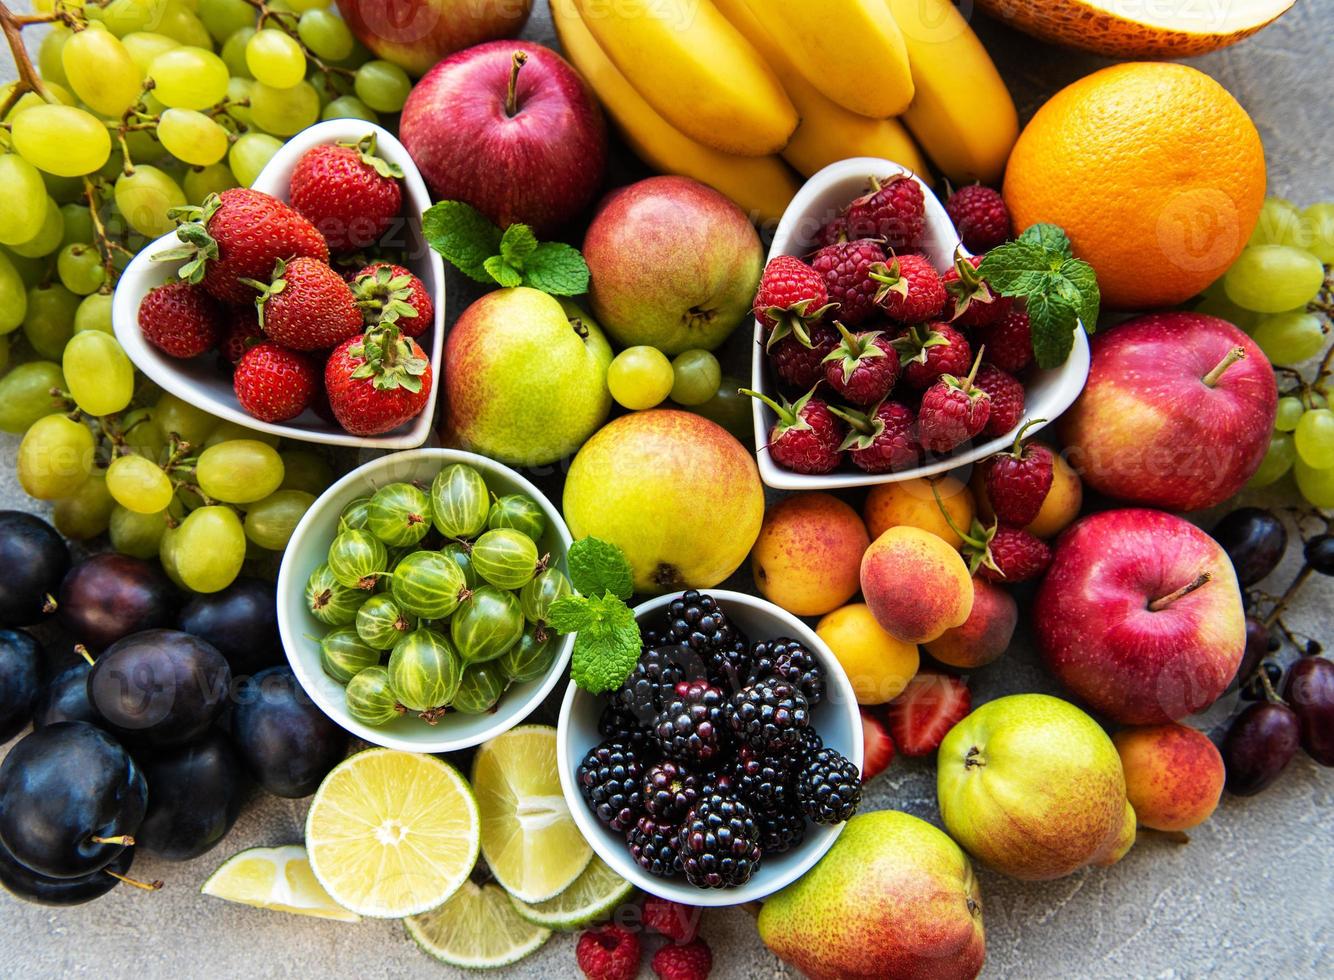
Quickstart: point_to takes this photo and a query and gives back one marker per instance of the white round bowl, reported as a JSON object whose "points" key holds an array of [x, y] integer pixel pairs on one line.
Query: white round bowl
{"points": [[1049, 393], [199, 382], [837, 718], [301, 632]]}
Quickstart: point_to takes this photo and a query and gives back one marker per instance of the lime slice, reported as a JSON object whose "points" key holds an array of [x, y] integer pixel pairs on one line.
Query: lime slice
{"points": [[276, 878], [592, 896], [477, 928], [529, 839], [392, 833]]}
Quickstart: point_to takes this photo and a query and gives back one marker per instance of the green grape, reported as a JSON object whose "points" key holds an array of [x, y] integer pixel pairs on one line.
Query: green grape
{"points": [[226, 431], [101, 72], [94, 313], [23, 204], [123, 17], [144, 46], [225, 17], [1273, 278], [189, 78], [1314, 438], [180, 23], [1318, 221], [63, 190], [349, 107], [696, 375], [1278, 224], [192, 137], [358, 559], [486, 624], [1316, 485], [55, 456], [240, 471], [62, 140], [382, 85], [25, 395], [142, 146], [86, 513], [305, 470], [460, 501], [178, 417], [343, 654], [399, 514], [200, 182], [1278, 459], [275, 58], [141, 433], [138, 484], [270, 522], [100, 376], [424, 671], [4, 353], [1290, 409], [381, 623], [167, 555], [537, 597], [30, 272], [77, 222], [13, 295], [1290, 338], [329, 601], [326, 34], [532, 656], [233, 52], [80, 268], [371, 699], [238, 97], [48, 239], [210, 549], [459, 553], [145, 196], [49, 61], [480, 689], [249, 154], [284, 111], [356, 515], [301, 6], [426, 584], [136, 535], [49, 321], [640, 377], [505, 558], [520, 512]]}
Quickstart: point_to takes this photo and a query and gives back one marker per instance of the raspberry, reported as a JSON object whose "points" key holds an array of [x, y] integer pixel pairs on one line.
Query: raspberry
{"points": [[180, 319], [690, 961], [791, 297], [863, 367], [894, 211], [981, 217], [1013, 555], [846, 267], [833, 231], [929, 350], [1018, 482], [801, 366], [1009, 341], [883, 440], [806, 437], [608, 952], [953, 411], [909, 289], [677, 922], [969, 298], [1007, 400]]}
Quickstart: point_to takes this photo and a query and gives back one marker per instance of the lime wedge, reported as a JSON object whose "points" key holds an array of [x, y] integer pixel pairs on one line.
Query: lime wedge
{"points": [[592, 896], [392, 833], [277, 878], [477, 928], [529, 839]]}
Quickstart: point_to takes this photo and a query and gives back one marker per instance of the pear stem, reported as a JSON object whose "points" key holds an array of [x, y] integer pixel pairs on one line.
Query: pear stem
{"points": [[1233, 356], [512, 91], [1157, 605]]}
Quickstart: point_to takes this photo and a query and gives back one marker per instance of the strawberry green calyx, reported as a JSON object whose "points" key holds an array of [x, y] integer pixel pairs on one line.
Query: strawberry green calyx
{"points": [[198, 246], [913, 345], [789, 413], [268, 290], [388, 359], [365, 148], [853, 348], [384, 296]]}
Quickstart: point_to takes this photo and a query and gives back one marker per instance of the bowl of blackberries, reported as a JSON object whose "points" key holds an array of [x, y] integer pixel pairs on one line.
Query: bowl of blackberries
{"points": [[727, 763]]}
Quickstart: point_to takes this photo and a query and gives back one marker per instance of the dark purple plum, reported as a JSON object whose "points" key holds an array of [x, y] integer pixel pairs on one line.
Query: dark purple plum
{"points": [[22, 882], [65, 698], [195, 792], [1255, 541], [241, 621], [107, 597], [1319, 553], [1259, 745], [34, 558], [20, 679], [288, 744], [1310, 693]]}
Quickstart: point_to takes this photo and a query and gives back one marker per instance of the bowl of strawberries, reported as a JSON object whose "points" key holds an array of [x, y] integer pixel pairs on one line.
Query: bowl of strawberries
{"points": [[307, 306], [881, 351]]}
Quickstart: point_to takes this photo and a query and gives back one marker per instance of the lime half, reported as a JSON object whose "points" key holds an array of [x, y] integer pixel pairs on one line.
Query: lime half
{"points": [[277, 878], [478, 928], [529, 839], [592, 897], [392, 833]]}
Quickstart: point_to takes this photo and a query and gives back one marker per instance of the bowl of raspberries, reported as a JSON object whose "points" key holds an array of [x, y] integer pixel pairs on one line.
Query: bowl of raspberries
{"points": [[881, 354], [307, 306], [727, 763]]}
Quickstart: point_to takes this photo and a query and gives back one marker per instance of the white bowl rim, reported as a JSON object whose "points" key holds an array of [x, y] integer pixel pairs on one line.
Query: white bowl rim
{"points": [[504, 719], [811, 850]]}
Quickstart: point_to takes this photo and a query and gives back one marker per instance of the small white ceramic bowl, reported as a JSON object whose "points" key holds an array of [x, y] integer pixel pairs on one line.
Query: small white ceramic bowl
{"points": [[199, 382], [1050, 393], [301, 631], [837, 718]]}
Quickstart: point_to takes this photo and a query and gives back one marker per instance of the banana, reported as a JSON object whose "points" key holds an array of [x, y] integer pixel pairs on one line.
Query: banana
{"points": [[695, 70], [761, 186], [827, 131], [961, 114], [851, 50]]}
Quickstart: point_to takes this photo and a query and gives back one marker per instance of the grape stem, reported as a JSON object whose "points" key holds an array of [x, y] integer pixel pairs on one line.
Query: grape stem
{"points": [[280, 18], [1288, 595], [106, 245], [28, 80]]}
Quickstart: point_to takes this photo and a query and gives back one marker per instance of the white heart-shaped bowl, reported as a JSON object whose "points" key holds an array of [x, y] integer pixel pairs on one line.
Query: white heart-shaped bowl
{"points": [[301, 631], [198, 380], [1049, 393], [837, 718]]}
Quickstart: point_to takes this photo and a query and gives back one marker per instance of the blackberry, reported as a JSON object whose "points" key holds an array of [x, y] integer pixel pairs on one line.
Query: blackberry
{"points": [[791, 661], [655, 846], [769, 714], [618, 724], [611, 780], [659, 670], [761, 781], [720, 843], [692, 726], [696, 620], [670, 790], [780, 829], [829, 787]]}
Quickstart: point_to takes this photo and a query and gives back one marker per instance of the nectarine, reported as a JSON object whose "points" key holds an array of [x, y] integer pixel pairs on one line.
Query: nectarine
{"points": [[1174, 775], [916, 585], [809, 552], [986, 633]]}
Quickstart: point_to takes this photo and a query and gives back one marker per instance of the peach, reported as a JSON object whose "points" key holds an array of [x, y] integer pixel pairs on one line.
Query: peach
{"points": [[985, 635], [916, 585], [809, 552], [878, 665], [1059, 509], [911, 502], [1174, 775]]}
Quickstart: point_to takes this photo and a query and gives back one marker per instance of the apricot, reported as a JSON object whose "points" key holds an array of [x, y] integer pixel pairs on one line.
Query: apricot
{"points": [[985, 635], [915, 583], [1174, 775], [1059, 508], [878, 665], [911, 502], [809, 552]]}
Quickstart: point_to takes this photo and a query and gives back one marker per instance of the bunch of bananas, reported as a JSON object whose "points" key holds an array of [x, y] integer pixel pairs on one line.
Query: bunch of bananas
{"points": [[739, 94]]}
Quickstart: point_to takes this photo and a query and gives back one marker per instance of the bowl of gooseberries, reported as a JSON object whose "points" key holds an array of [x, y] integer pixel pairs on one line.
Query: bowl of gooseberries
{"points": [[412, 600]]}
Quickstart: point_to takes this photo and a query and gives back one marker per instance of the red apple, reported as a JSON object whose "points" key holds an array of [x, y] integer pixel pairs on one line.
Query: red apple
{"points": [[1177, 412], [511, 129], [417, 33], [1140, 615]]}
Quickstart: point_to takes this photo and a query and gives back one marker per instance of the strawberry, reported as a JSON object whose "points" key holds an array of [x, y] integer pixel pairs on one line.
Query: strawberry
{"points": [[240, 333], [863, 367], [981, 217], [274, 384], [846, 268], [690, 961], [883, 439], [877, 747], [1001, 553], [893, 211], [180, 319], [806, 437], [390, 293], [608, 952], [801, 366], [1018, 481], [921, 717], [792, 297], [908, 289], [351, 195], [1007, 400], [307, 306], [970, 299], [239, 235], [1009, 341], [927, 351], [679, 923], [377, 381], [953, 410]]}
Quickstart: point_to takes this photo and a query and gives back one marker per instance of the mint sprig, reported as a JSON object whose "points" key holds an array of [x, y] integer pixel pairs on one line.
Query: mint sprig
{"points": [[468, 240], [607, 641], [1060, 291]]}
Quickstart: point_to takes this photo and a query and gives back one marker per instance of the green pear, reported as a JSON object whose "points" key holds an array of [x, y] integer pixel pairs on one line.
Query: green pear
{"points": [[894, 897], [1033, 787]]}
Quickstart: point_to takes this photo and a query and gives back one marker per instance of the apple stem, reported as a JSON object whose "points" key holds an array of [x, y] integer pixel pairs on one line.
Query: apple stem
{"points": [[1157, 605], [1233, 356], [512, 93]]}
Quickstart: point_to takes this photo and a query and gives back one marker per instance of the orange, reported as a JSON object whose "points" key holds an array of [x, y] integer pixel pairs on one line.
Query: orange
{"points": [[1154, 171]]}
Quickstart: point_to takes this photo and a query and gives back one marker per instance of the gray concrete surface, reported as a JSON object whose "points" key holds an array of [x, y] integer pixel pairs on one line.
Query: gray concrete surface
{"points": [[1249, 896]]}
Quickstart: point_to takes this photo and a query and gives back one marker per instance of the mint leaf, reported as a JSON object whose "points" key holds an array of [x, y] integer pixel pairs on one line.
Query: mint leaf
{"points": [[569, 614], [463, 236], [598, 566], [517, 244], [1052, 319], [1085, 280], [1017, 266], [557, 269], [1048, 237], [607, 647], [502, 272]]}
